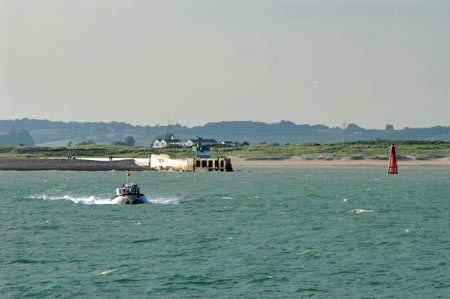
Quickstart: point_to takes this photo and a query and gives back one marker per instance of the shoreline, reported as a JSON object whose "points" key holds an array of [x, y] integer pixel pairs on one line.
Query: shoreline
{"points": [[101, 164], [298, 162]]}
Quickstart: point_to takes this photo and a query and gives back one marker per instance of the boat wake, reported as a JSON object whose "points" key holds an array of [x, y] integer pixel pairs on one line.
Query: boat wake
{"points": [[93, 200], [357, 211], [164, 201]]}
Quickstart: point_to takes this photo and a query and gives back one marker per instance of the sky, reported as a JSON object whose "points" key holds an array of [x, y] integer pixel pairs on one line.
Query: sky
{"points": [[148, 62]]}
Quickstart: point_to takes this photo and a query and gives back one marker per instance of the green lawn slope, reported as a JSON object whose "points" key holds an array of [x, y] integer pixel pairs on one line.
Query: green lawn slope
{"points": [[378, 149]]}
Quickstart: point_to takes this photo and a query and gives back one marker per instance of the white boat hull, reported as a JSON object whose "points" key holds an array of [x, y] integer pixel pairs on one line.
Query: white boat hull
{"points": [[129, 199]]}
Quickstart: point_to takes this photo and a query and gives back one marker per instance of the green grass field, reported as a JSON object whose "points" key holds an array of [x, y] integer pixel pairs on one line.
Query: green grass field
{"points": [[378, 149]]}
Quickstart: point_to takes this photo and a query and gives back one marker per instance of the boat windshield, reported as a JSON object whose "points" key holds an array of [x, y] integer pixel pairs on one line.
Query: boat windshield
{"points": [[128, 190]]}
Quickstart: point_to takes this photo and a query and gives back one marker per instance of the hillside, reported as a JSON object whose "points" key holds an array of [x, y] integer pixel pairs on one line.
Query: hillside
{"points": [[52, 133]]}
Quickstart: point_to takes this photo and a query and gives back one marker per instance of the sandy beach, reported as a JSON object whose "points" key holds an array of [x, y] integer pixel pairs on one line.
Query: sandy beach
{"points": [[298, 162]]}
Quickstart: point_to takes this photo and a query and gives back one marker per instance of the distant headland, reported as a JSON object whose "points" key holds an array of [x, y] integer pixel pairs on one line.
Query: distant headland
{"points": [[54, 133]]}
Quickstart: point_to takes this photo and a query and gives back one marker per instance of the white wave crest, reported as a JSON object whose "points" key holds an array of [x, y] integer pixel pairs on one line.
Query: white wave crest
{"points": [[107, 272], [164, 201], [93, 200], [85, 200], [357, 211]]}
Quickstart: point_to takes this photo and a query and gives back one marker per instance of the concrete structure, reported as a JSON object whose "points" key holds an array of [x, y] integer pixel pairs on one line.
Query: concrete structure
{"points": [[156, 162], [165, 162], [212, 164]]}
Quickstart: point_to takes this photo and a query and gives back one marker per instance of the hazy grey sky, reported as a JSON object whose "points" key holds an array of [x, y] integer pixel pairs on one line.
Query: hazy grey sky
{"points": [[371, 62]]}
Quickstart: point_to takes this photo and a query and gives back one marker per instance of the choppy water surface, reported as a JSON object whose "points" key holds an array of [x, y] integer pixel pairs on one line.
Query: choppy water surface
{"points": [[248, 234]]}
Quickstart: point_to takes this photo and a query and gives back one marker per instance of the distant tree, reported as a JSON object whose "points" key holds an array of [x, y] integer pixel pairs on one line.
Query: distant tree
{"points": [[275, 144], [166, 136], [17, 137], [263, 142], [287, 143], [69, 143], [129, 140], [118, 143], [245, 143], [86, 142]]}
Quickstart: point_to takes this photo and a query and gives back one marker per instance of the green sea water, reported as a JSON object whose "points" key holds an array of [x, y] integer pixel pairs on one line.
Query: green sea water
{"points": [[250, 234]]}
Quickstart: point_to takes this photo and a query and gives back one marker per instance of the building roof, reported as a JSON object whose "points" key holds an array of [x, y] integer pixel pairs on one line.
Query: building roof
{"points": [[202, 140], [169, 140]]}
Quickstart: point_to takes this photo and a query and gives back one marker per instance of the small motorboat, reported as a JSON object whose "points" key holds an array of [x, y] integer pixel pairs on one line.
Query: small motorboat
{"points": [[129, 194]]}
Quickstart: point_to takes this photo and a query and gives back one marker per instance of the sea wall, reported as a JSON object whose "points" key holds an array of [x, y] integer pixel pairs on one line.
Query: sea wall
{"points": [[24, 164]]}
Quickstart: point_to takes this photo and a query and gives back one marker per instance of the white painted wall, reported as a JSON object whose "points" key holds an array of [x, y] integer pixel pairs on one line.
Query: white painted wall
{"points": [[141, 161], [164, 162]]}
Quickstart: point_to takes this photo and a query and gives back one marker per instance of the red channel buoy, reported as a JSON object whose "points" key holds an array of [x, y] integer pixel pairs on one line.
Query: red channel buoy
{"points": [[393, 169]]}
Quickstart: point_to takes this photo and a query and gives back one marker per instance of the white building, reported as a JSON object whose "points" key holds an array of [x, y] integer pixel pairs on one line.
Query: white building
{"points": [[172, 142]]}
